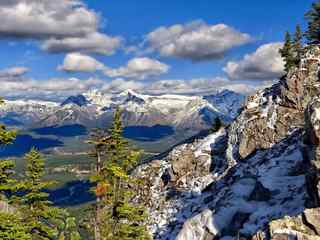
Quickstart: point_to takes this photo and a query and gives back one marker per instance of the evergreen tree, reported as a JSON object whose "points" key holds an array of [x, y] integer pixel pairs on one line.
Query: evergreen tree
{"points": [[6, 166], [6, 137], [313, 18], [99, 140], [11, 225], [297, 45], [121, 218], [287, 53], [42, 219]]}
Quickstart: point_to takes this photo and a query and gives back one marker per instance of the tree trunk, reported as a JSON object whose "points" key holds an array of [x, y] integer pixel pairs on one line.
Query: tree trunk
{"points": [[97, 233]]}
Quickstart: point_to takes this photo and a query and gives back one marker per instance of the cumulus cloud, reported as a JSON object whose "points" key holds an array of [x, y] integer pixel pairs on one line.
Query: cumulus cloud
{"points": [[13, 72], [57, 89], [200, 86], [64, 25], [120, 84], [93, 43], [136, 68], [77, 62], [139, 68], [196, 41], [50, 89], [264, 64], [37, 19]]}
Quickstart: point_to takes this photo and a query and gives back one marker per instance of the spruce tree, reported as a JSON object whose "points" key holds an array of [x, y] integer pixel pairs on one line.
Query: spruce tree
{"points": [[287, 53], [12, 226], [121, 218], [313, 19], [297, 45], [44, 221], [6, 166], [99, 140], [6, 137]]}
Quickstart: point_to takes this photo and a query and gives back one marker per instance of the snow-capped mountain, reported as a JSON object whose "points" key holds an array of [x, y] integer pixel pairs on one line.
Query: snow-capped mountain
{"points": [[79, 100], [95, 108], [25, 112], [227, 102]]}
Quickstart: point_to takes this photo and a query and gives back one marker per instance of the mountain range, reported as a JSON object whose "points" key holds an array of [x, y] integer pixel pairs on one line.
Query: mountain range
{"points": [[163, 119], [93, 108]]}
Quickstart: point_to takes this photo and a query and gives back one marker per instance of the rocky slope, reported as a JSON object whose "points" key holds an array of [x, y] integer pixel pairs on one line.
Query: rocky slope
{"points": [[255, 179]]}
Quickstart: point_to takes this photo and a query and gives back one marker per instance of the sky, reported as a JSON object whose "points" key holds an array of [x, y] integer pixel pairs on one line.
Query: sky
{"points": [[54, 49]]}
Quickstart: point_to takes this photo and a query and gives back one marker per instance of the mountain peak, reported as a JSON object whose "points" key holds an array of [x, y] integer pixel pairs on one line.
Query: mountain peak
{"points": [[128, 92], [79, 100], [130, 96]]}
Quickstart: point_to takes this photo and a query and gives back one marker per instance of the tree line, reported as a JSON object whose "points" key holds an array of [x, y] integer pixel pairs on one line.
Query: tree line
{"points": [[292, 49]]}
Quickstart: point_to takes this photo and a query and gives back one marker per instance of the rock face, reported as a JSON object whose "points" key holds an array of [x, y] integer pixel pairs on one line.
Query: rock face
{"points": [[270, 115], [256, 179], [176, 181], [304, 226], [312, 139]]}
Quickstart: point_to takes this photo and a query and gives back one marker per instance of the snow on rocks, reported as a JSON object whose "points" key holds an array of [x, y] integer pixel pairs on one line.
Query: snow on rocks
{"points": [[239, 209], [260, 175], [176, 183]]}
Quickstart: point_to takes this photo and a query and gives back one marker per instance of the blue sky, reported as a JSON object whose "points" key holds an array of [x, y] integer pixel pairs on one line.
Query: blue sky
{"points": [[131, 21]]}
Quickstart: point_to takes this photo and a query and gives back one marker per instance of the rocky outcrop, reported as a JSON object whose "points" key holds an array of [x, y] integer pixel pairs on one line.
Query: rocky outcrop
{"points": [[257, 179], [267, 186], [176, 181], [272, 114], [303, 226], [312, 140]]}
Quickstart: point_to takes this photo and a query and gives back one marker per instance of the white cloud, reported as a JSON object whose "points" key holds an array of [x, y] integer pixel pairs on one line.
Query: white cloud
{"points": [[196, 41], [37, 19], [57, 89], [136, 68], [77, 62], [139, 68], [120, 84], [200, 86], [51, 89], [93, 43], [264, 64], [63, 25], [13, 72]]}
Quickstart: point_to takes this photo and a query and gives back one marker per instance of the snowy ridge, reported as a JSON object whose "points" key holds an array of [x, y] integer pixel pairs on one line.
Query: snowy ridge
{"points": [[193, 112]]}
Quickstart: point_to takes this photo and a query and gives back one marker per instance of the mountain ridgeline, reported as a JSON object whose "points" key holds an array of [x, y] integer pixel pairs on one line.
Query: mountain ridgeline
{"points": [[92, 109], [155, 122]]}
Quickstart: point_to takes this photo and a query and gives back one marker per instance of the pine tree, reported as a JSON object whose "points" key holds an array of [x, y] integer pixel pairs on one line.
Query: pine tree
{"points": [[287, 53], [42, 219], [6, 166], [6, 137], [12, 226], [313, 18], [297, 45], [121, 218], [99, 140]]}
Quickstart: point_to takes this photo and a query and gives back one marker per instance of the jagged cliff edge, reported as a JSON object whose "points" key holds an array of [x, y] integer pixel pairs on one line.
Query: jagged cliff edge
{"points": [[256, 179]]}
